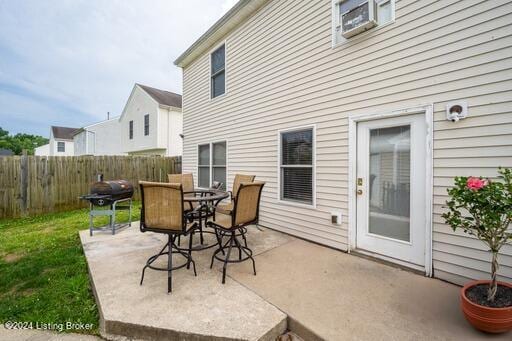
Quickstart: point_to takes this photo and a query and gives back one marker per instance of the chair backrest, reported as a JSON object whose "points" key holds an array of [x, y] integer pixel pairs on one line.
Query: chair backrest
{"points": [[186, 179], [162, 206], [239, 178], [247, 202]]}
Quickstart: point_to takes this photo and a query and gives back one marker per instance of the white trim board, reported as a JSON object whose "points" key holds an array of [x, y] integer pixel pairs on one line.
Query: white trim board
{"points": [[427, 110]]}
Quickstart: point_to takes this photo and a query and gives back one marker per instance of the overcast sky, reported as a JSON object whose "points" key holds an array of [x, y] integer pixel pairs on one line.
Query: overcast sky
{"points": [[69, 62]]}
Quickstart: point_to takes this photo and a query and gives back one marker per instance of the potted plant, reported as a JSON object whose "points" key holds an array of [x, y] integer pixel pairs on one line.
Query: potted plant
{"points": [[483, 208]]}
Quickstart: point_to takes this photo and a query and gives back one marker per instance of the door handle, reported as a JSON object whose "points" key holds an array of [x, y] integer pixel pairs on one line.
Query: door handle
{"points": [[359, 192]]}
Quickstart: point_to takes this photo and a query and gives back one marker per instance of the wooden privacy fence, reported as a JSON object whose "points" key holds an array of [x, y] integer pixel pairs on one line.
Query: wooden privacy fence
{"points": [[39, 184]]}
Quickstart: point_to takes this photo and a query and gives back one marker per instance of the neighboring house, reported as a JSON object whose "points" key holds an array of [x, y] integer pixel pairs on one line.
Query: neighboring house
{"points": [[151, 122], [43, 150], [356, 126], [61, 142], [6, 152], [102, 138]]}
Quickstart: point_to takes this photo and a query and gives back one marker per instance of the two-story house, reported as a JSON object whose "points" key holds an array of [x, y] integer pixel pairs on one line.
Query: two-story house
{"points": [[101, 138], [151, 122], [60, 144], [357, 114]]}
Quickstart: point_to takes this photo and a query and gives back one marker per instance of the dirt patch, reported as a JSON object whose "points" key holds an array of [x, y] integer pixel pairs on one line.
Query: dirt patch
{"points": [[478, 295], [11, 257]]}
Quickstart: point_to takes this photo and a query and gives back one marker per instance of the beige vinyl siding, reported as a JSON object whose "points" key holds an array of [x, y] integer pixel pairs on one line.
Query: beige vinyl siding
{"points": [[281, 73]]}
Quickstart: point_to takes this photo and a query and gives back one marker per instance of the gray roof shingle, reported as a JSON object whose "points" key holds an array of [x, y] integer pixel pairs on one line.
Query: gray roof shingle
{"points": [[6, 152], [64, 133], [162, 96]]}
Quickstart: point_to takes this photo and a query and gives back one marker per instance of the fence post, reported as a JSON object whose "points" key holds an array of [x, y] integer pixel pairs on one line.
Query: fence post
{"points": [[23, 182]]}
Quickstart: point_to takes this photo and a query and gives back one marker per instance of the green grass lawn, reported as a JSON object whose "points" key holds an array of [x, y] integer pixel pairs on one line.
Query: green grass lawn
{"points": [[43, 271]]}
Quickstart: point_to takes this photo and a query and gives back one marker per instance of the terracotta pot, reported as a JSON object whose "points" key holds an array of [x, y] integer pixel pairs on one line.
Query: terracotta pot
{"points": [[490, 320]]}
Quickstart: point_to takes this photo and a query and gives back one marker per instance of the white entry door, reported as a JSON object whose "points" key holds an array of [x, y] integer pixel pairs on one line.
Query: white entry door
{"points": [[391, 180]]}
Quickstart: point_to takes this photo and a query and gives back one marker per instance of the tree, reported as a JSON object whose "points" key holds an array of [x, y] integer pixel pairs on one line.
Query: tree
{"points": [[16, 143]]}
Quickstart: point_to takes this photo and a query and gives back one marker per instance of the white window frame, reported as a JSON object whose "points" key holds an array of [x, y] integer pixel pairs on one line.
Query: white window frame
{"points": [[335, 23], [313, 166], [225, 70], [64, 146], [211, 166]]}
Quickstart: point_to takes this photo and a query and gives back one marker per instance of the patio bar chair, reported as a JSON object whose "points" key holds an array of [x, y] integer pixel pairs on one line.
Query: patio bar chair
{"points": [[162, 212], [245, 212], [187, 181], [239, 178]]}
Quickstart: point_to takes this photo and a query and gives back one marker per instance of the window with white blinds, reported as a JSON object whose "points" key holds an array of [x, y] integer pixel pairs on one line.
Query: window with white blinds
{"points": [[211, 164], [296, 148]]}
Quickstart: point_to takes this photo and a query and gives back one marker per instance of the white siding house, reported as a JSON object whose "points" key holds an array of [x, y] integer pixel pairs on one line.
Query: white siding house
{"points": [[355, 126], [43, 150], [61, 143], [102, 138], [151, 122]]}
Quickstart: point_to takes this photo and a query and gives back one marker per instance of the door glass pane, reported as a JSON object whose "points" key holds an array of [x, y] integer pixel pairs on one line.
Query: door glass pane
{"points": [[204, 155], [389, 182], [219, 154], [219, 174]]}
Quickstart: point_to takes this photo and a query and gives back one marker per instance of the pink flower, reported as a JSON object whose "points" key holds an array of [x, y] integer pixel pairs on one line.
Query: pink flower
{"points": [[475, 184]]}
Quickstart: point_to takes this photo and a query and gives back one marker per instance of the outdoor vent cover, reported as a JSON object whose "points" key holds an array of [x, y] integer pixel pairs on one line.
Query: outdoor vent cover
{"points": [[356, 16]]}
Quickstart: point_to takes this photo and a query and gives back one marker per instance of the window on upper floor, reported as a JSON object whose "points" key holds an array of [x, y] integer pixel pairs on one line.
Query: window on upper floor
{"points": [[61, 147], [218, 72], [352, 17], [146, 125], [296, 165], [130, 130], [211, 165]]}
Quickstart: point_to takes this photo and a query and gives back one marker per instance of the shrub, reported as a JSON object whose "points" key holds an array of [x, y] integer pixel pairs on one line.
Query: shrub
{"points": [[483, 208]]}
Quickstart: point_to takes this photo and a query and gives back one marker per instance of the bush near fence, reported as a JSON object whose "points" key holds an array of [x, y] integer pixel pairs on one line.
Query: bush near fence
{"points": [[39, 184]]}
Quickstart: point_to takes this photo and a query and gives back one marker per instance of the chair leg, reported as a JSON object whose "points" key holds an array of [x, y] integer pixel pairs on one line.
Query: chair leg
{"points": [[201, 238], [148, 263], [220, 249], [245, 239], [227, 257], [169, 265], [248, 255], [219, 240], [190, 250]]}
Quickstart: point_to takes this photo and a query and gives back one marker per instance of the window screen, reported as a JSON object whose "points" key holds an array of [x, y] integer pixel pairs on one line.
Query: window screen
{"points": [[296, 168], [218, 76]]}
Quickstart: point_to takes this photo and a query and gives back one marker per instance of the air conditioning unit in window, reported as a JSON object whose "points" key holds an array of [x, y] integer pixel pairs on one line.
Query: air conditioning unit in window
{"points": [[356, 16]]}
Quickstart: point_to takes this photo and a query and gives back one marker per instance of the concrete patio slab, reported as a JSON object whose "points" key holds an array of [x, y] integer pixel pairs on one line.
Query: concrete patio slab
{"points": [[332, 295], [199, 308]]}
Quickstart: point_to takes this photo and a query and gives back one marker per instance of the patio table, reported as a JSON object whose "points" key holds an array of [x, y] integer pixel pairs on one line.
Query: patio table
{"points": [[207, 199]]}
